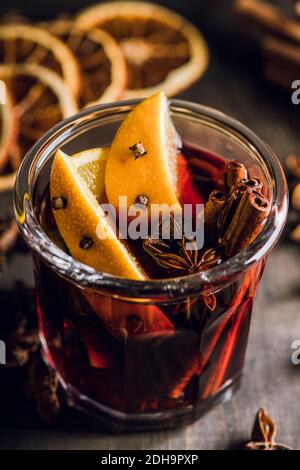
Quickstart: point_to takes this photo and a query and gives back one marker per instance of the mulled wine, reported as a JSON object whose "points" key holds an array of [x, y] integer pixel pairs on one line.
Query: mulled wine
{"points": [[142, 357]]}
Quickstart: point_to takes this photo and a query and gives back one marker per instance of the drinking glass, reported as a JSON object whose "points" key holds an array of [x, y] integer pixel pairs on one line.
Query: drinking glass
{"points": [[145, 354]]}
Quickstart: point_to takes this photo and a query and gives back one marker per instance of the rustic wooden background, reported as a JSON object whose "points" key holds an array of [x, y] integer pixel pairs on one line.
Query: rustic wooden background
{"points": [[233, 85]]}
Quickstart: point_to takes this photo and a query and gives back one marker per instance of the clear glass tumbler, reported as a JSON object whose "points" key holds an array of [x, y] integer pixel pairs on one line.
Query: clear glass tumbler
{"points": [[145, 354]]}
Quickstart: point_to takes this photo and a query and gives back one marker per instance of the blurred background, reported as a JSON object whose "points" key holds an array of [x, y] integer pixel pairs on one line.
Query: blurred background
{"points": [[242, 59]]}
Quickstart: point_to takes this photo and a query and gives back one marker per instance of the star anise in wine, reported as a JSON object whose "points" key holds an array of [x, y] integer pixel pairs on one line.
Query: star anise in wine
{"points": [[188, 259]]}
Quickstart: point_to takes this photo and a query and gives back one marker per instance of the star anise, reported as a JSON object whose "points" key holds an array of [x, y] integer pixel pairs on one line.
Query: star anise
{"points": [[21, 343], [42, 386], [18, 325], [264, 433], [188, 259], [183, 255]]}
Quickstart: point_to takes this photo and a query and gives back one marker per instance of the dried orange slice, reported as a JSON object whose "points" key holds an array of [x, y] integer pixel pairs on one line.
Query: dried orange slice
{"points": [[102, 64], [150, 169], [163, 50], [79, 217], [41, 100], [8, 124], [20, 43]]}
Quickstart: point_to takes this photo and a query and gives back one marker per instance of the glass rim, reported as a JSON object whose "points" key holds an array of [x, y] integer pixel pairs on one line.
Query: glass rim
{"points": [[170, 288]]}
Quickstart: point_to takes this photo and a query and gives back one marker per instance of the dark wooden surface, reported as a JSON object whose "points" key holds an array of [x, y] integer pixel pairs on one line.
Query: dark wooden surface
{"points": [[233, 85]]}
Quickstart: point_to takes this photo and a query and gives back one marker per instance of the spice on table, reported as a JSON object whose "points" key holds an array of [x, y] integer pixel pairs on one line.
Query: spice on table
{"points": [[280, 39], [296, 197], [268, 18], [264, 433], [42, 386], [18, 325], [280, 61], [293, 167], [20, 344]]}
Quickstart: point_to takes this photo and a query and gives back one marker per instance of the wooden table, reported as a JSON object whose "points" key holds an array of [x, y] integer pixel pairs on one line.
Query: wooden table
{"points": [[270, 379]]}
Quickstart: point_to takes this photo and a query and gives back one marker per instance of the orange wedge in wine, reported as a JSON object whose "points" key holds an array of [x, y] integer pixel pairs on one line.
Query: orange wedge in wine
{"points": [[79, 217], [142, 159]]}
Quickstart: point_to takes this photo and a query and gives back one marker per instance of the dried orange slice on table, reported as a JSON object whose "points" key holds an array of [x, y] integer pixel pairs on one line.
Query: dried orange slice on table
{"points": [[163, 51], [42, 99], [20, 43], [102, 64]]}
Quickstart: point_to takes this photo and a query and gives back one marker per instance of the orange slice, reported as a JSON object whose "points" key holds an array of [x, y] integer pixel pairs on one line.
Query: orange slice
{"points": [[101, 61], [153, 174], [20, 43], [127, 319], [8, 124], [79, 217], [91, 164], [163, 50], [41, 100]]}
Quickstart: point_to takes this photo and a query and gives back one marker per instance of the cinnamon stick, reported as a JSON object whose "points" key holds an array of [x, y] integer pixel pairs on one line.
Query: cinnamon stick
{"points": [[7, 182], [252, 183], [247, 222], [281, 61], [268, 18], [229, 209], [235, 171], [216, 201]]}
